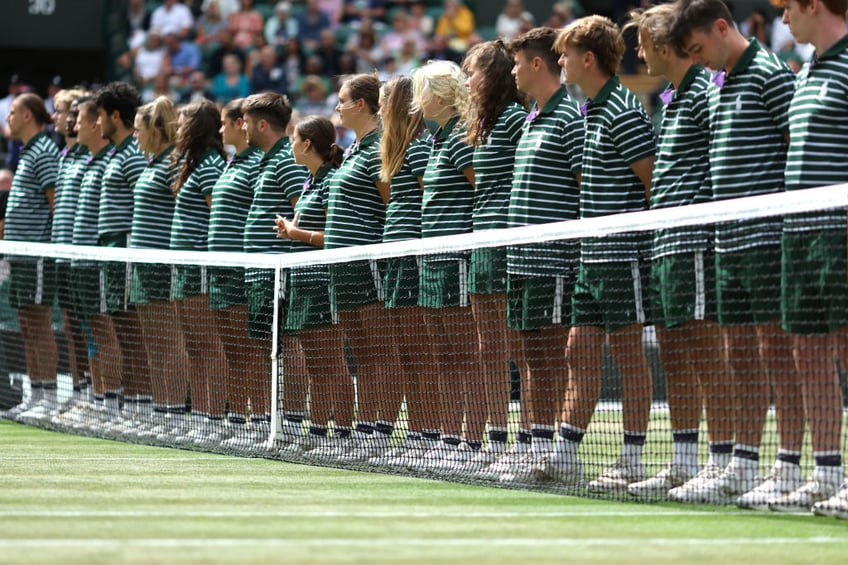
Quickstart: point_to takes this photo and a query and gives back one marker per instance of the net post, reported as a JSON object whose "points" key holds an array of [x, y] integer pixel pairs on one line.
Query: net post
{"points": [[277, 389]]}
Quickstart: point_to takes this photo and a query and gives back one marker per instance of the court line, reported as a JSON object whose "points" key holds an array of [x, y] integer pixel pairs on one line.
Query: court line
{"points": [[433, 543], [588, 513]]}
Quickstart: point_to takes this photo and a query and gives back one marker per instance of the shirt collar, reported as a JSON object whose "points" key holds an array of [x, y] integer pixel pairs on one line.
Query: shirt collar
{"points": [[33, 140], [671, 93], [602, 95], [276, 148]]}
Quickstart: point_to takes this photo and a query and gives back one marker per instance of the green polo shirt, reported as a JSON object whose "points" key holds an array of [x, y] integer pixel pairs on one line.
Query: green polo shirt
{"points": [[153, 203], [818, 134], [544, 187], [28, 216], [71, 170], [190, 226], [232, 196], [88, 205], [403, 212], [126, 164], [355, 210], [682, 169], [749, 120], [312, 206], [618, 133]]}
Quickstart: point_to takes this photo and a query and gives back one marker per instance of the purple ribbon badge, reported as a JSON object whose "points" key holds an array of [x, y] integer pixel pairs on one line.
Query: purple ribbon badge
{"points": [[667, 95], [532, 115], [719, 77], [584, 107]]}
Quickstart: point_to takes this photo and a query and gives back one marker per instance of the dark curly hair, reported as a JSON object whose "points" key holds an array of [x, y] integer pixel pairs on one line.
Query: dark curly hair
{"points": [[495, 91], [197, 135]]}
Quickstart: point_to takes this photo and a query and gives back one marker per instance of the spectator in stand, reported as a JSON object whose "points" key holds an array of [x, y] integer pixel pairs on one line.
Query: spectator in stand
{"points": [[149, 59], [347, 66], [293, 61], [364, 47], [210, 24], [225, 7], [512, 20], [182, 57], [225, 47], [247, 25], [408, 59], [561, 15], [756, 25], [440, 49], [268, 74], [231, 83], [310, 23], [138, 22], [280, 28], [419, 20], [329, 53], [356, 12], [198, 88], [172, 17], [457, 23], [334, 10], [161, 86], [393, 41], [313, 97]]}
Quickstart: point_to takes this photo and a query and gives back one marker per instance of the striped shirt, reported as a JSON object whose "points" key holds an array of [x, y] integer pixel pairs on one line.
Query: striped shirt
{"points": [[190, 226], [88, 206], [126, 164], [71, 170], [749, 121], [544, 187], [355, 210], [312, 206], [618, 134], [231, 200], [153, 203], [818, 134], [279, 181], [28, 216], [403, 212], [682, 169], [493, 165]]}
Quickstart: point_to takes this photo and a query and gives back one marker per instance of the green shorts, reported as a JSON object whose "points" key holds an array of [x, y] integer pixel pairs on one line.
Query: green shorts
{"points": [[401, 282], [32, 283], [748, 285], [260, 309], [64, 296], [226, 287], [488, 271], [88, 290], [533, 303], [356, 284], [189, 280], [151, 283], [683, 288], [610, 295], [443, 283], [309, 305], [814, 293], [118, 275]]}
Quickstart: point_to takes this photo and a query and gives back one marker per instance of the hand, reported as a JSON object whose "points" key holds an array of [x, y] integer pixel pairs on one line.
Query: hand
{"points": [[286, 227]]}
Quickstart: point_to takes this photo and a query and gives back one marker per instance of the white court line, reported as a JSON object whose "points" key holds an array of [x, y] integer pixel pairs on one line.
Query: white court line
{"points": [[366, 514], [110, 458], [433, 543]]}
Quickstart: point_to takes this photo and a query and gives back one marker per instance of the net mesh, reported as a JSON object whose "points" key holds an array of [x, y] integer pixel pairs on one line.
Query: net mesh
{"points": [[424, 357]]}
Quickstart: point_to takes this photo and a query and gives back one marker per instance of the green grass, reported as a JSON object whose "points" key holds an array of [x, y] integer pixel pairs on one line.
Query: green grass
{"points": [[66, 499]]}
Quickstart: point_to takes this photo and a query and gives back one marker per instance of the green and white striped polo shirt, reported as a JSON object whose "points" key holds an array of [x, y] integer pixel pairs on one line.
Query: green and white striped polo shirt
{"points": [[448, 196], [153, 203], [818, 134], [116, 198], [749, 122], [682, 169], [312, 206], [279, 181], [403, 212], [231, 200], [355, 210], [493, 165], [28, 216], [548, 160], [618, 133], [88, 205], [71, 170], [190, 227]]}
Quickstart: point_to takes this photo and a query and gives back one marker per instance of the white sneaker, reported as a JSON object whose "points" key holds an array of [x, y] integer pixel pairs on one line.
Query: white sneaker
{"points": [[691, 492], [783, 479], [485, 457], [408, 459], [454, 462], [300, 447], [432, 457], [659, 485], [733, 482], [834, 507], [372, 446], [388, 457], [505, 463], [556, 467], [823, 485], [331, 450], [618, 477]]}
